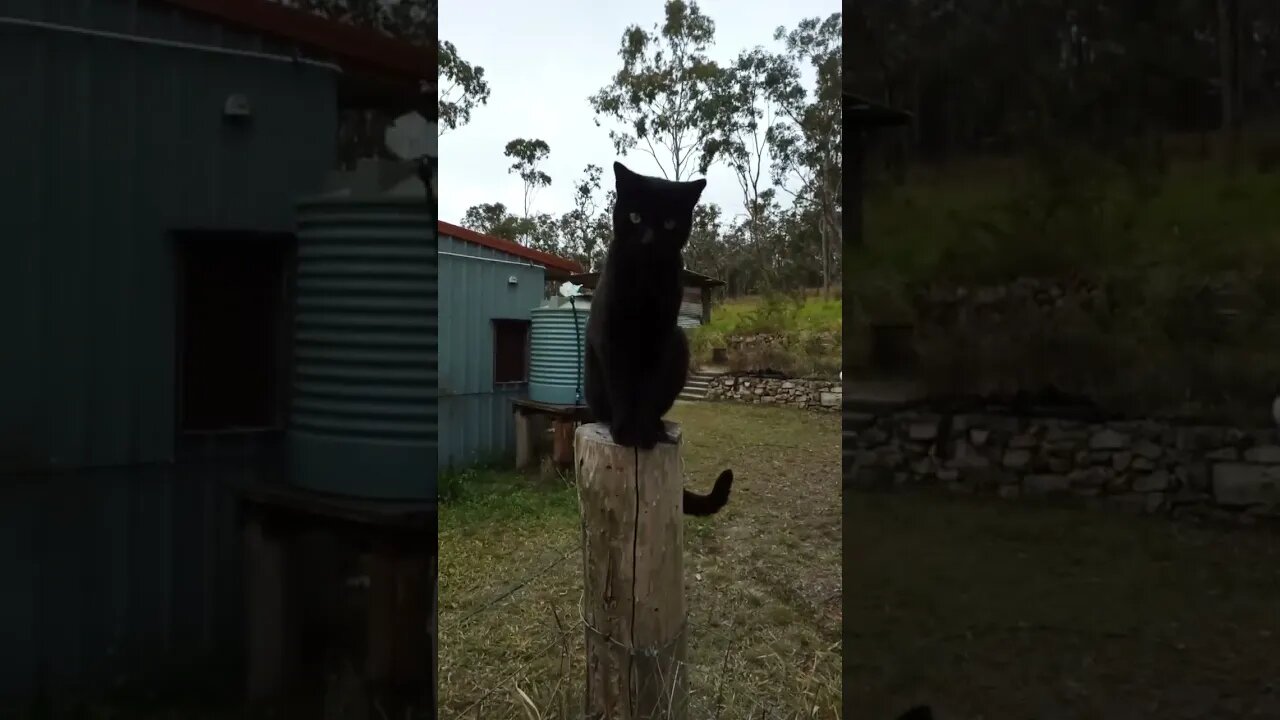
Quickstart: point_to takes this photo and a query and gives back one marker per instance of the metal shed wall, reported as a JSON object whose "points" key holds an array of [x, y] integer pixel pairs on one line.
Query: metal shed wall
{"points": [[130, 565], [108, 145], [476, 424], [125, 577]]}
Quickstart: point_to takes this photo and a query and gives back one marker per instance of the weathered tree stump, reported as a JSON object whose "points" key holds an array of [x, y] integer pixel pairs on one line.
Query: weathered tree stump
{"points": [[633, 575]]}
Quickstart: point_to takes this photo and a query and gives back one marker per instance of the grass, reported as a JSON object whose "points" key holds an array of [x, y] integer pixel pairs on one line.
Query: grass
{"points": [[763, 579], [966, 221], [153, 709], [988, 610]]}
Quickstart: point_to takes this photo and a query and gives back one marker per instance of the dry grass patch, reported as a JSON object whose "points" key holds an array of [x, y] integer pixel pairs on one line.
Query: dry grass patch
{"points": [[763, 579]]}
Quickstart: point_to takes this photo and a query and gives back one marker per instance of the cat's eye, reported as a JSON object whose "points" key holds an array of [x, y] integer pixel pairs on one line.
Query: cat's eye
{"points": [[669, 224], [635, 218]]}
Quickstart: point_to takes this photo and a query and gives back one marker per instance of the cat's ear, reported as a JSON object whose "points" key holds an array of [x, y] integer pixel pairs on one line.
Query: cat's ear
{"points": [[621, 173], [697, 186]]}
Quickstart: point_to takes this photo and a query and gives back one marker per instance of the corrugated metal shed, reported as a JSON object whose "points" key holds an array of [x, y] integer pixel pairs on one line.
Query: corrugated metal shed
{"points": [[112, 138], [476, 423], [109, 145], [120, 577], [689, 321]]}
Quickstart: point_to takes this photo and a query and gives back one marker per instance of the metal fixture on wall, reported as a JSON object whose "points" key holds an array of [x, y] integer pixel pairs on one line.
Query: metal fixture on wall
{"points": [[237, 107]]}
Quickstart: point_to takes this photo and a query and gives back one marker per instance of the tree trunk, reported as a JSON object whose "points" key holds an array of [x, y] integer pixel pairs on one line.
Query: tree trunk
{"points": [[824, 234], [855, 144], [1229, 67]]}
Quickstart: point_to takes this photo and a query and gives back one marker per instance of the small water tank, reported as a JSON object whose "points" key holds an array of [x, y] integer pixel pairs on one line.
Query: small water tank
{"points": [[364, 416], [557, 336]]}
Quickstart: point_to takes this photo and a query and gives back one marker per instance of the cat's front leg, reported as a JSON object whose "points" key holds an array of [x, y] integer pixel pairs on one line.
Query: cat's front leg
{"points": [[661, 431], [653, 430], [594, 388], [625, 424], [662, 384], [627, 433], [648, 437]]}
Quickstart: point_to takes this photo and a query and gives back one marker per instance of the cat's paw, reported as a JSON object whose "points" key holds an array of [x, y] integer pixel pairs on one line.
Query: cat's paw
{"points": [[624, 435], [650, 439], [659, 431], [665, 438]]}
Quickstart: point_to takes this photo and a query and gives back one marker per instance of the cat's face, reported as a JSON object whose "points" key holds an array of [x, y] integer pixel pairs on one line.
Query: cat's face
{"points": [[653, 213]]}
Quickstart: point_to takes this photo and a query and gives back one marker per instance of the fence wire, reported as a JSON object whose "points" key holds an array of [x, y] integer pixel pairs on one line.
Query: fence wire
{"points": [[565, 636], [496, 600], [560, 690]]}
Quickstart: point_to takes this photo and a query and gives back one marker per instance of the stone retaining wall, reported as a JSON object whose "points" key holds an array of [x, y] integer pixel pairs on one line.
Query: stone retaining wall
{"points": [[828, 341], [810, 394], [1146, 466], [948, 306]]}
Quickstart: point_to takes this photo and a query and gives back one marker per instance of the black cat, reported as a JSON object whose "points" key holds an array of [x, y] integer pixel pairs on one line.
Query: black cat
{"points": [[637, 358]]}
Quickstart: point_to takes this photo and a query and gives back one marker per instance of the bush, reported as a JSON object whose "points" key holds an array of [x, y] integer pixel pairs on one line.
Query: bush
{"points": [[799, 322]]}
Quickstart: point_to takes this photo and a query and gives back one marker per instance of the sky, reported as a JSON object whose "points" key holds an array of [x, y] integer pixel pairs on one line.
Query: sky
{"points": [[542, 62]]}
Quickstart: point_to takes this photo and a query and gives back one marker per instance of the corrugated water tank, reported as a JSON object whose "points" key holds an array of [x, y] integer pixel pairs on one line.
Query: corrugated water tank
{"points": [[557, 336], [364, 418]]}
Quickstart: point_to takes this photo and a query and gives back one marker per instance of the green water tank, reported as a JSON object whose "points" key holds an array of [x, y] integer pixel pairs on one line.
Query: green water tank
{"points": [[557, 336], [364, 416]]}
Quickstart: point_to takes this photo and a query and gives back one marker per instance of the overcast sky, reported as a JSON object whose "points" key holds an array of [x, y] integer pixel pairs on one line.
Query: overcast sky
{"points": [[542, 62]]}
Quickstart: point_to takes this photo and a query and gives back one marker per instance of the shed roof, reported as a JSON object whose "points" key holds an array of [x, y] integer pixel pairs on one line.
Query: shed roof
{"points": [[689, 278], [378, 66], [865, 113], [547, 260]]}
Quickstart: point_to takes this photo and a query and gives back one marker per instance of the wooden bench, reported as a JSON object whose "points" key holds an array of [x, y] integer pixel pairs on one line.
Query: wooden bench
{"points": [[393, 545], [531, 418]]}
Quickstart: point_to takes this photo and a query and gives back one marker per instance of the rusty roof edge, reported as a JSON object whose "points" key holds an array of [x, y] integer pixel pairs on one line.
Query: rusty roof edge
{"points": [[689, 277], [548, 260], [366, 48]]}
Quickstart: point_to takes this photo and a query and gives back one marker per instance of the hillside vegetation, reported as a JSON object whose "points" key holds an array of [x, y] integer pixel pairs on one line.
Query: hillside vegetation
{"points": [[797, 334], [1162, 242]]}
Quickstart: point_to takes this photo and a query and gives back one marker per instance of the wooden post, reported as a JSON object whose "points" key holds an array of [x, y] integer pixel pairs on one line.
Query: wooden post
{"points": [[265, 595], [525, 439], [633, 576], [398, 640], [433, 629], [562, 445], [531, 429]]}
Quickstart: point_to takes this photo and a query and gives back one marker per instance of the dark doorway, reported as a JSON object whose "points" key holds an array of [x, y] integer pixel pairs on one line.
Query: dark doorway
{"points": [[233, 329]]}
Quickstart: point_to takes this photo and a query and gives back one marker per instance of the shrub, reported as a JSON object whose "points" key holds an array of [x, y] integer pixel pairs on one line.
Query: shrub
{"points": [[800, 325]]}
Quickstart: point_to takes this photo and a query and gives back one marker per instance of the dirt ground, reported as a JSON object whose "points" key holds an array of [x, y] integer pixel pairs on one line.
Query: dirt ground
{"points": [[990, 609]]}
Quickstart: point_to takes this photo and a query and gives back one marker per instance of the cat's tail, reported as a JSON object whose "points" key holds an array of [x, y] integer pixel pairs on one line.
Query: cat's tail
{"points": [[712, 502]]}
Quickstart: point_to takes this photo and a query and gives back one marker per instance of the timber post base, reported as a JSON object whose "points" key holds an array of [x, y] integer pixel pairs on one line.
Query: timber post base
{"points": [[633, 566]]}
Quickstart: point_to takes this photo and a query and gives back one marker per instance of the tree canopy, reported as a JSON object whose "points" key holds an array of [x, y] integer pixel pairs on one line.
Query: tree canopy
{"points": [[771, 116], [994, 76]]}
